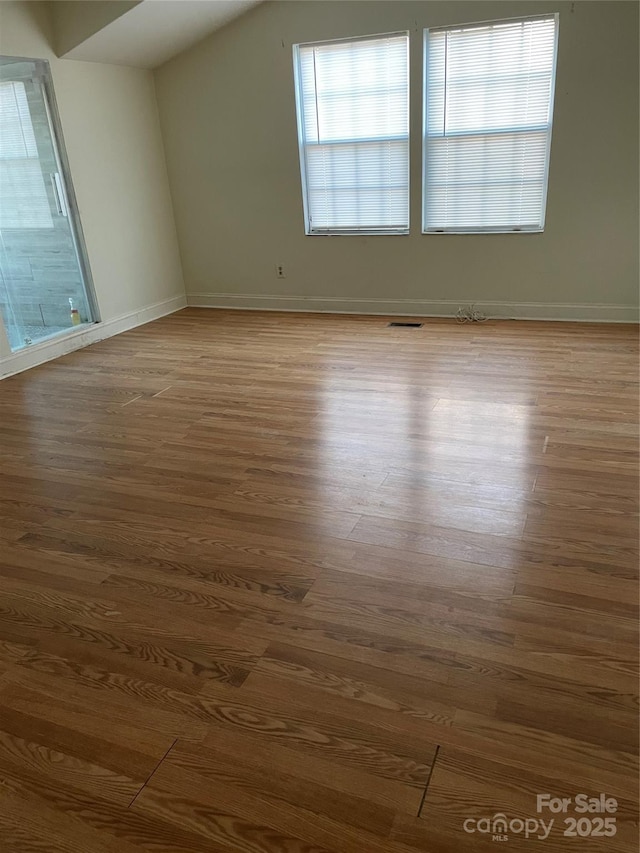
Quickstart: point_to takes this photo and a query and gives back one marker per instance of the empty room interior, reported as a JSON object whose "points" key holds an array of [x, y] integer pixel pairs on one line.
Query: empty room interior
{"points": [[319, 426]]}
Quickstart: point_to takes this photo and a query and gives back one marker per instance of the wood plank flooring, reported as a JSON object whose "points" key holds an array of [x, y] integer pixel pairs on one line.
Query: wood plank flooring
{"points": [[283, 583]]}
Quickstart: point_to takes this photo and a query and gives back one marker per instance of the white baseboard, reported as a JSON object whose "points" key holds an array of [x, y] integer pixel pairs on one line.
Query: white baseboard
{"points": [[55, 347], [587, 312], [76, 339]]}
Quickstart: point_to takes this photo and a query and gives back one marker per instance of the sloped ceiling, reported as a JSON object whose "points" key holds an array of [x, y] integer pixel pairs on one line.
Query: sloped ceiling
{"points": [[143, 34]]}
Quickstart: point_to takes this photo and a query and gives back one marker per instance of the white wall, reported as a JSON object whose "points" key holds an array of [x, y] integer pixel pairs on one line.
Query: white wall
{"points": [[227, 111], [112, 135]]}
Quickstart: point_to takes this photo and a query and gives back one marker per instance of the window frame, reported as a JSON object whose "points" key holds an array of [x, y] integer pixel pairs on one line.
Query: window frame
{"points": [[347, 232], [549, 127]]}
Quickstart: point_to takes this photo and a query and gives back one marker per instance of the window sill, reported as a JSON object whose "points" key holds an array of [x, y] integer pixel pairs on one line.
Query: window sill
{"points": [[485, 231], [357, 233]]}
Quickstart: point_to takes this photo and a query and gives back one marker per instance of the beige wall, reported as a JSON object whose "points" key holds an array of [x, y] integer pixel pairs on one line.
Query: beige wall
{"points": [[228, 116], [111, 130]]}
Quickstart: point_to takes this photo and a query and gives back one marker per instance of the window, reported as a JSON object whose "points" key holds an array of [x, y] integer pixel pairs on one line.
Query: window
{"points": [[487, 125], [353, 125], [24, 198]]}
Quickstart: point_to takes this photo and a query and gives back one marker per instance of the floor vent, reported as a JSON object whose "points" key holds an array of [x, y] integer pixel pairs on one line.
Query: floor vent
{"points": [[405, 325]]}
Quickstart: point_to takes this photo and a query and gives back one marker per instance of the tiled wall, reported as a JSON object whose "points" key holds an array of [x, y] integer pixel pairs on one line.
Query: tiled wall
{"points": [[40, 273]]}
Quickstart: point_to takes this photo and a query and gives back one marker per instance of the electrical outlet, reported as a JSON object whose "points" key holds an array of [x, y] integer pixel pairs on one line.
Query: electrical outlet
{"points": [[280, 271]]}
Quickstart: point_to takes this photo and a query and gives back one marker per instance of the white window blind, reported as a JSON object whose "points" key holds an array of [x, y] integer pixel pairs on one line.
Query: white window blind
{"points": [[488, 112], [23, 196], [353, 120]]}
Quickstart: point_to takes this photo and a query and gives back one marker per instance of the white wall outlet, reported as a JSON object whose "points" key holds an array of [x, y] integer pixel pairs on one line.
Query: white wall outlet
{"points": [[280, 271]]}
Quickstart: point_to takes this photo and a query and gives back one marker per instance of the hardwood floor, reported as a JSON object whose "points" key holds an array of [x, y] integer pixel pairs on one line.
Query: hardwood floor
{"points": [[282, 583]]}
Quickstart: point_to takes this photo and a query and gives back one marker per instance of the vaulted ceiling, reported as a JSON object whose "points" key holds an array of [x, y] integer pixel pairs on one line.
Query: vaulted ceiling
{"points": [[144, 34]]}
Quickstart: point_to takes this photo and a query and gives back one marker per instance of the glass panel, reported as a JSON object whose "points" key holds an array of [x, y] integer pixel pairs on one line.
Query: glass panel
{"points": [[43, 290]]}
